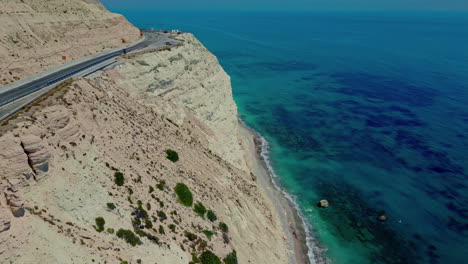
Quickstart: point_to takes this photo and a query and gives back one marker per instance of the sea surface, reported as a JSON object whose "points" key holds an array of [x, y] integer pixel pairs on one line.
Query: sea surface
{"points": [[367, 110]]}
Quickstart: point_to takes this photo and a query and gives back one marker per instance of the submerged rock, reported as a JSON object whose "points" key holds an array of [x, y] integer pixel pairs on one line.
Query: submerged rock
{"points": [[323, 203], [382, 218]]}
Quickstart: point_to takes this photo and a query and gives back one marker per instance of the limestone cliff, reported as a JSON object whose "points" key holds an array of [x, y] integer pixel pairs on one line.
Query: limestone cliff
{"points": [[35, 34], [65, 153]]}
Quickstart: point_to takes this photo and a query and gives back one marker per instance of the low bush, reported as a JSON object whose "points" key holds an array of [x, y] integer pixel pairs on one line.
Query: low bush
{"points": [[161, 185], [211, 216], [161, 230], [110, 230], [190, 236], [172, 227], [111, 206], [200, 209], [208, 233], [148, 224], [223, 227], [151, 189], [209, 257], [162, 215], [172, 155], [128, 236], [184, 194], [119, 178], [231, 258], [100, 222]]}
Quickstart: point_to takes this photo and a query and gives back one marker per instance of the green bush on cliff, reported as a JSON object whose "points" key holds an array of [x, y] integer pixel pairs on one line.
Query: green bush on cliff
{"points": [[223, 227], [128, 236], [231, 258], [200, 209], [184, 194], [211, 216], [119, 178], [172, 155], [100, 222], [209, 257]]}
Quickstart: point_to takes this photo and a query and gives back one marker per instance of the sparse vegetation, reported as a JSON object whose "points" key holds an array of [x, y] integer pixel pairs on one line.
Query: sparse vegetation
{"points": [[151, 189], [100, 222], [162, 216], [110, 230], [119, 178], [161, 185], [209, 257], [172, 155], [184, 194], [208, 233], [161, 230], [190, 236], [200, 209], [223, 227], [128, 236], [148, 224], [211, 216], [172, 227], [111, 206], [231, 258]]}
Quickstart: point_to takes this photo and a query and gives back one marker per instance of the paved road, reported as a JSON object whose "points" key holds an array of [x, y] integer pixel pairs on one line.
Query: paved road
{"points": [[9, 95]]}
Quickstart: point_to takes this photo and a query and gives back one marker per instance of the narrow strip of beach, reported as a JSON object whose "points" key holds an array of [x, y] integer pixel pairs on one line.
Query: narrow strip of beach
{"points": [[291, 222]]}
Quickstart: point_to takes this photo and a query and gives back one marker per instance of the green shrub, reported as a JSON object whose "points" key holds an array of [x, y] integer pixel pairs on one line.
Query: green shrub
{"points": [[162, 215], [130, 190], [148, 224], [111, 206], [161, 185], [124, 262], [148, 206], [184, 194], [223, 227], [208, 233], [211, 216], [128, 236], [172, 155], [200, 209], [209, 257], [151, 189], [191, 236], [110, 230], [139, 203], [161, 230], [100, 222], [172, 227], [119, 178], [231, 258]]}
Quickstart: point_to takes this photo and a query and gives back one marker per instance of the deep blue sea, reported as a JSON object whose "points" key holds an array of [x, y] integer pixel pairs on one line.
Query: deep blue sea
{"points": [[367, 110]]}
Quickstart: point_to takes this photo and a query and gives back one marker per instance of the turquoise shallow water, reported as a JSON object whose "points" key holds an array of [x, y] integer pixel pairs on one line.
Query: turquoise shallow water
{"points": [[367, 110]]}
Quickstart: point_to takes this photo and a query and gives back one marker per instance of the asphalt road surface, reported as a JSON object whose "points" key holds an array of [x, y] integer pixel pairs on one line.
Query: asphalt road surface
{"points": [[153, 40]]}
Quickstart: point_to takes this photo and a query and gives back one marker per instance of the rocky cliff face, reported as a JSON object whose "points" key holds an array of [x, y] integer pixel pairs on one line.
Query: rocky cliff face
{"points": [[64, 153], [35, 34]]}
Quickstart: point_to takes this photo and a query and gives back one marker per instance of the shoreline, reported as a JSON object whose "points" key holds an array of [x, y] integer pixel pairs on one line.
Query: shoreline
{"points": [[292, 223]]}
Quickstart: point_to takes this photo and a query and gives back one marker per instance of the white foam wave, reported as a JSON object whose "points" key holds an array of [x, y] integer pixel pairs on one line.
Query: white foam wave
{"points": [[315, 251]]}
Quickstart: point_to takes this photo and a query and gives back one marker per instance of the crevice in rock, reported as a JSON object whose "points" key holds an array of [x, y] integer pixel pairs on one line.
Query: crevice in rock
{"points": [[30, 163]]}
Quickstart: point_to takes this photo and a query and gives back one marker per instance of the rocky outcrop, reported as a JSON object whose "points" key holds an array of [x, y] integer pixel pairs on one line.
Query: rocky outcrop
{"points": [[38, 155], [37, 35]]}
